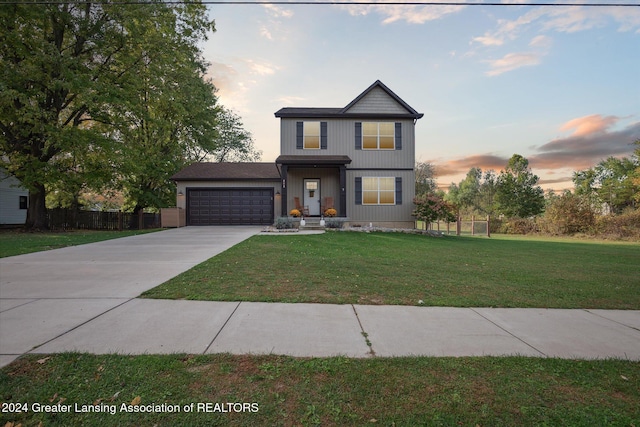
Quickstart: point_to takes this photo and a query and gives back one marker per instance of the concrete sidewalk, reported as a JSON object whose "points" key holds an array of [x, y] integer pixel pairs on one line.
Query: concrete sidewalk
{"points": [[139, 326], [84, 299]]}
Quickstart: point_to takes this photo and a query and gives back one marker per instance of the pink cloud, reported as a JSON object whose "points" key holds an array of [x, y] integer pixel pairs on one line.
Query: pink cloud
{"points": [[591, 141], [593, 124], [462, 165], [512, 61]]}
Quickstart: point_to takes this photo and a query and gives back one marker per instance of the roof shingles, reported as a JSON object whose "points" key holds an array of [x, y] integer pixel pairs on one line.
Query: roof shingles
{"points": [[228, 171]]}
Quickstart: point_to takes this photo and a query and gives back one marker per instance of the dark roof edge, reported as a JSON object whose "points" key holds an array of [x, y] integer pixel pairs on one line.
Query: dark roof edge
{"points": [[226, 179], [320, 115], [312, 160]]}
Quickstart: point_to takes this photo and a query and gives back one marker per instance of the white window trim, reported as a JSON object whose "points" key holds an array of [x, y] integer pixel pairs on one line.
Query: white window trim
{"points": [[378, 138], [378, 178]]}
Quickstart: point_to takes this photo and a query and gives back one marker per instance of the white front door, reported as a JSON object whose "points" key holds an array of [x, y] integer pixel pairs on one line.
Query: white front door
{"points": [[312, 196]]}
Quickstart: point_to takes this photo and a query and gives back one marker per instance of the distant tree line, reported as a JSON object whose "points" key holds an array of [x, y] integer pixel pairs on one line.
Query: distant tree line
{"points": [[106, 98], [605, 200]]}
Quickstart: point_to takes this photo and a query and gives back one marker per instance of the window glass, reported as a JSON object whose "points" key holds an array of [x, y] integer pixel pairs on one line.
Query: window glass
{"points": [[387, 197], [387, 128], [387, 143], [369, 142], [370, 128], [378, 136], [387, 184], [378, 191], [312, 135], [370, 184], [370, 197]]}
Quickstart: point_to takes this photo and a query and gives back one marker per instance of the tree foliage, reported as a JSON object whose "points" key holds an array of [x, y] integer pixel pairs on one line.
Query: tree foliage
{"points": [[86, 88], [432, 207], [517, 193], [567, 213], [613, 182], [475, 194], [425, 178], [233, 143]]}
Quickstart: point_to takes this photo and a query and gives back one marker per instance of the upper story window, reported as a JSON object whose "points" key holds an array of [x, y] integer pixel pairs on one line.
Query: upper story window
{"points": [[378, 136], [311, 135]]}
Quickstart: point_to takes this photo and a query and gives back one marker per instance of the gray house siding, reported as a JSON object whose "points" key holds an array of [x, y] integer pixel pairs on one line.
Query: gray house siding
{"points": [[393, 215], [342, 135], [341, 141], [11, 211], [377, 101]]}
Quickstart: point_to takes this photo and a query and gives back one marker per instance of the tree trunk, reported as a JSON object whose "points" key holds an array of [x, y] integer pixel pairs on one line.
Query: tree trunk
{"points": [[37, 210], [134, 222]]}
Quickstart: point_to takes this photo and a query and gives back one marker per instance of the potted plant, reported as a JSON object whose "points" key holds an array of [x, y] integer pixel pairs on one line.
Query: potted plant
{"points": [[331, 212]]}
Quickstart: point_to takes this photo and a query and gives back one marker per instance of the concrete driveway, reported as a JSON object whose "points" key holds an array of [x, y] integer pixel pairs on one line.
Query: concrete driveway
{"points": [[46, 294]]}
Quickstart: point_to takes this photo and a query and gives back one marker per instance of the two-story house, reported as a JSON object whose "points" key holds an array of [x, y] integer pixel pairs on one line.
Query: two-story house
{"points": [[358, 159]]}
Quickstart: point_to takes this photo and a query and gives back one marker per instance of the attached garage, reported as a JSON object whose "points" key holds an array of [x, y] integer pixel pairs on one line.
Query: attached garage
{"points": [[232, 206], [229, 193]]}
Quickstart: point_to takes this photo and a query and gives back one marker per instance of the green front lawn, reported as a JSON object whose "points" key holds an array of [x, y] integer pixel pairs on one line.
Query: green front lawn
{"points": [[394, 268], [18, 242], [329, 392]]}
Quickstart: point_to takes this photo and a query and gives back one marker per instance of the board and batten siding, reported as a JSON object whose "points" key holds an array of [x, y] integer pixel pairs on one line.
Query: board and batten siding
{"points": [[381, 213], [341, 142]]}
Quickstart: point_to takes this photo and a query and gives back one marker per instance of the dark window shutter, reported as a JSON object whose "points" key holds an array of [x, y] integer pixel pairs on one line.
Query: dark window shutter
{"points": [[299, 135], [398, 190], [358, 191], [323, 135], [398, 136], [358, 136]]}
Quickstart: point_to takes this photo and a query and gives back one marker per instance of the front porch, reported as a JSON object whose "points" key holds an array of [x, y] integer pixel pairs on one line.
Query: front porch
{"points": [[313, 183]]}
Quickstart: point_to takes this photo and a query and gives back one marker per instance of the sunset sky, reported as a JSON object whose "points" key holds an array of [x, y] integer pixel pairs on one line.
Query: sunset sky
{"points": [[558, 85]]}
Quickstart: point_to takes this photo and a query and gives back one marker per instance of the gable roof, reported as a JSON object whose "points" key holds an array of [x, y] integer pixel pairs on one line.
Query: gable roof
{"points": [[379, 84], [293, 112], [227, 171]]}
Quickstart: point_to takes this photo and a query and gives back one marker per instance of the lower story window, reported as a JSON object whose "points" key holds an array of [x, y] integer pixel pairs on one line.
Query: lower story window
{"points": [[24, 202], [378, 191]]}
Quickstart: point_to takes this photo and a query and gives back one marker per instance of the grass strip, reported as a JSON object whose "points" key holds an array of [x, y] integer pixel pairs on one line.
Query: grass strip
{"points": [[395, 268], [18, 242], [287, 391]]}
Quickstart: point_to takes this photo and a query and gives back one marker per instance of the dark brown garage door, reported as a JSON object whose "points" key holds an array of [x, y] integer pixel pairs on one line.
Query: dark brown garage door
{"points": [[230, 206]]}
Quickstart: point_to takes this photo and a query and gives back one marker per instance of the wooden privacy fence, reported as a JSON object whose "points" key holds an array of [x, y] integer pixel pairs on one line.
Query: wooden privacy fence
{"points": [[473, 226], [66, 219]]}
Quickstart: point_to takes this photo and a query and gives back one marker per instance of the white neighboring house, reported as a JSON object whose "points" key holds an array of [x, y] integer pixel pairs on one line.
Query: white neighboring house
{"points": [[14, 200]]}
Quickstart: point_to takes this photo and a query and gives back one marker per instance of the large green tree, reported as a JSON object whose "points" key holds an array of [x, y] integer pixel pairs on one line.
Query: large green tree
{"points": [[172, 117], [69, 74], [517, 193]]}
